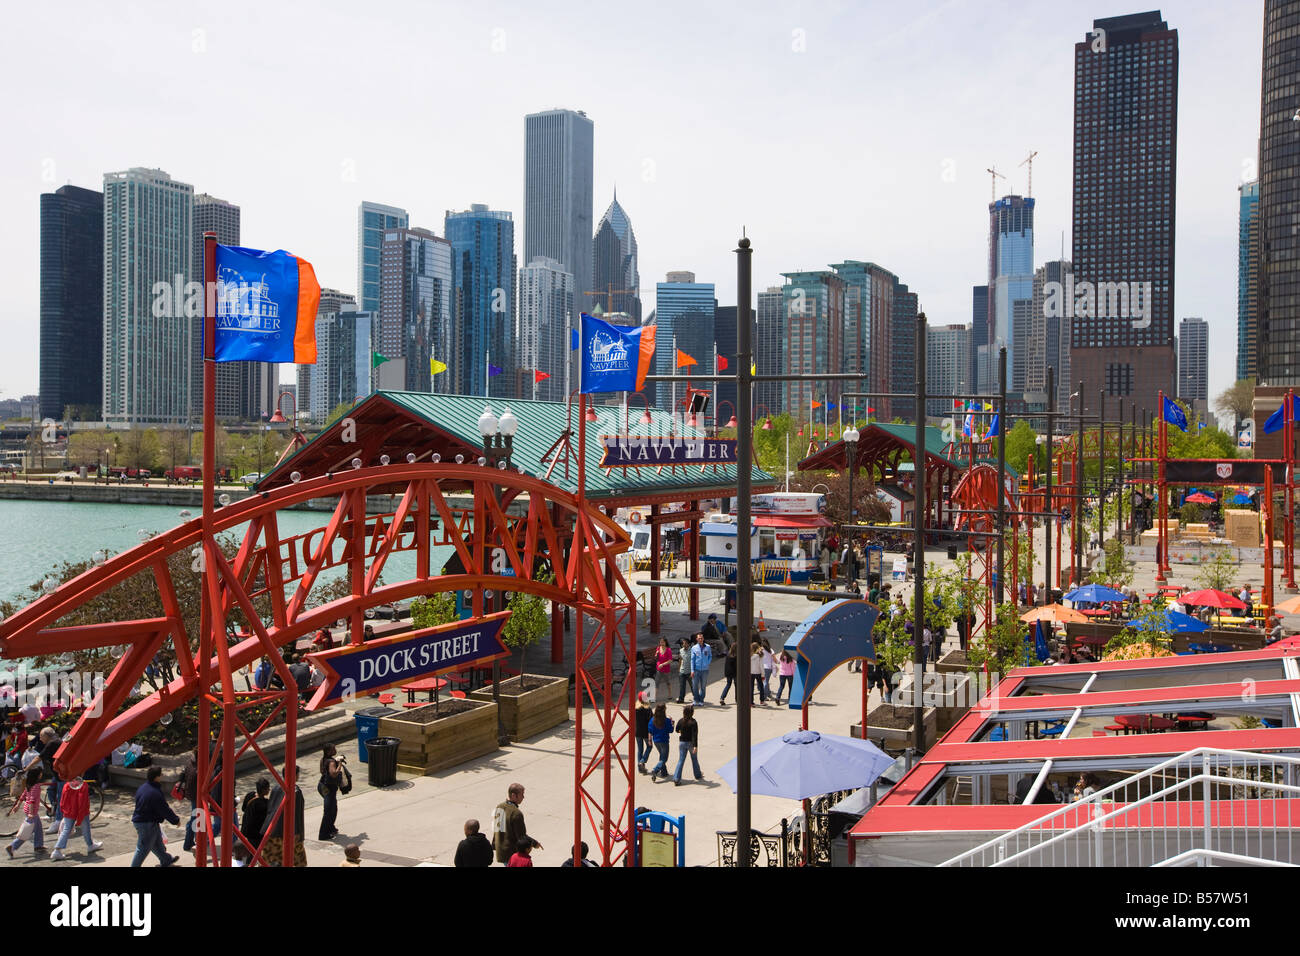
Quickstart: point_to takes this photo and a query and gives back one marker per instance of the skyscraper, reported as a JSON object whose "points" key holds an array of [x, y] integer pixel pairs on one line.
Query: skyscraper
{"points": [[373, 220], [415, 305], [148, 249], [1011, 286], [483, 275], [545, 310], [558, 194], [1125, 170], [239, 384], [769, 352], [947, 365], [331, 300], [814, 320], [1193, 360], [1049, 339], [979, 335], [341, 374], [868, 329], [902, 369], [724, 344], [72, 302], [615, 265], [1277, 343], [1247, 278], [684, 314]]}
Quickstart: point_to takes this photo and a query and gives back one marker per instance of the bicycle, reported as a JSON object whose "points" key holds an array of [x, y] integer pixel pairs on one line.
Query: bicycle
{"points": [[96, 791]]}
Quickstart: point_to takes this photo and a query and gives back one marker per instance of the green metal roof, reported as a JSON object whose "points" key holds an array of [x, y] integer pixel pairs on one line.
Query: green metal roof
{"points": [[541, 424], [934, 443]]}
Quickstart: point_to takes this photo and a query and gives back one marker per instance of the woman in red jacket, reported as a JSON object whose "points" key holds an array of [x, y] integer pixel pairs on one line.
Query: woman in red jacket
{"points": [[75, 804]]}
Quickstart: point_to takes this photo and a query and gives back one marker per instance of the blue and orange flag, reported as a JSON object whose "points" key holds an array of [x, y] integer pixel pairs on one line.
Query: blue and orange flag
{"points": [[614, 358], [266, 307]]}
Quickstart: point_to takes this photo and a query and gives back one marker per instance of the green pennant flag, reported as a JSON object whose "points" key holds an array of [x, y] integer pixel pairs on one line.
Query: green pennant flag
{"points": [[377, 360]]}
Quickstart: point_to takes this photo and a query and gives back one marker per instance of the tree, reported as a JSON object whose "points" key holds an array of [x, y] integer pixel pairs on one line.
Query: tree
{"points": [[527, 624], [339, 410], [1218, 571], [1237, 401], [769, 445], [1003, 646], [174, 447], [869, 509], [1022, 441], [1115, 569], [433, 609], [87, 448], [221, 444], [139, 448], [1147, 635]]}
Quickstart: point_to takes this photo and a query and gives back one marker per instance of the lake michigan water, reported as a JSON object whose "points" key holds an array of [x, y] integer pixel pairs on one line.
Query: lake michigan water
{"points": [[38, 536]]}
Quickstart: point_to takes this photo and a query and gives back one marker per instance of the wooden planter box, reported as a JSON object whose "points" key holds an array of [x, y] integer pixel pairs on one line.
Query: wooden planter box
{"points": [[954, 662], [896, 738], [445, 742], [545, 704]]}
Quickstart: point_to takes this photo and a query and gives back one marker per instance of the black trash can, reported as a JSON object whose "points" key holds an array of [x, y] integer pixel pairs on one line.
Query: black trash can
{"points": [[952, 552], [368, 726], [383, 761]]}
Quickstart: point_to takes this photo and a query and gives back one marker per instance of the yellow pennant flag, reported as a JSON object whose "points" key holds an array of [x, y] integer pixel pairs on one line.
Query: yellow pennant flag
{"points": [[753, 368], [435, 366]]}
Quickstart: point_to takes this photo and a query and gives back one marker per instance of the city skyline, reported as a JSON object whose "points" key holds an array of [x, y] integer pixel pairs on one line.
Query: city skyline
{"points": [[928, 240]]}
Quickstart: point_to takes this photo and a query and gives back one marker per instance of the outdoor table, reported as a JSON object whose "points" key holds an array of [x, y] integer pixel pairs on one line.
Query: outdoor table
{"points": [[431, 685], [1144, 723], [1195, 721], [1097, 612], [1226, 619]]}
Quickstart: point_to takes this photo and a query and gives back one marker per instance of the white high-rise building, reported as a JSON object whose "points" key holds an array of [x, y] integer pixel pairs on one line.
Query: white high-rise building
{"points": [[947, 365], [1193, 360], [148, 258], [559, 194], [373, 220], [545, 307]]}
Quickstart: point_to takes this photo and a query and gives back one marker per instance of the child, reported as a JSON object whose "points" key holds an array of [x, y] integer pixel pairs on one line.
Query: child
{"points": [[30, 801], [75, 804], [523, 853]]}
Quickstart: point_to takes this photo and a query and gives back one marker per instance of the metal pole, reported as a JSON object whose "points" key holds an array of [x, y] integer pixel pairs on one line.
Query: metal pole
{"points": [[1002, 472], [1132, 453], [852, 448], [1076, 526], [744, 569], [1119, 464], [919, 491], [1047, 494], [1101, 475]]}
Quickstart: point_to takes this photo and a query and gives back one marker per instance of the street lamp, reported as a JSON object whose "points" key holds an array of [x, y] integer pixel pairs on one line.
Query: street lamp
{"points": [[645, 418], [731, 422], [498, 447], [767, 424], [851, 436]]}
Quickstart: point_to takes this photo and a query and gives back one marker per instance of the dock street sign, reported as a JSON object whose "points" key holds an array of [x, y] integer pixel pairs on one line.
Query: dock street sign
{"points": [[653, 451], [404, 658]]}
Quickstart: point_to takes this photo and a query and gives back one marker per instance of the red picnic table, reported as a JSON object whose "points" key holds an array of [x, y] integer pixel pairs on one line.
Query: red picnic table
{"points": [[1145, 723], [429, 685]]}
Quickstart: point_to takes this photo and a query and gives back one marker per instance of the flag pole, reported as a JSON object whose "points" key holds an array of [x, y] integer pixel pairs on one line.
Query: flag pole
{"points": [[207, 610], [487, 374]]}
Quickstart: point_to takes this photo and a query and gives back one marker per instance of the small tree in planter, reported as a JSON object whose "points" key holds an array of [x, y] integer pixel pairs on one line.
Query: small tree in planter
{"points": [[527, 623], [1003, 646], [1145, 636], [1115, 570], [1218, 570], [433, 609]]}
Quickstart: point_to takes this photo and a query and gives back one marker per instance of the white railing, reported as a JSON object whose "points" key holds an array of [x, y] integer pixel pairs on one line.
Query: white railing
{"points": [[1205, 802]]}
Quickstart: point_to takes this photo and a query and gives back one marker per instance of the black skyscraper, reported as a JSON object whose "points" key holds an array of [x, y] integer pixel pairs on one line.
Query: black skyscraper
{"points": [[72, 302]]}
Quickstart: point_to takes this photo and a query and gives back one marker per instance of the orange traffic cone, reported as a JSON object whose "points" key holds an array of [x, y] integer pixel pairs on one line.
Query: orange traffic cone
{"points": [[787, 577]]}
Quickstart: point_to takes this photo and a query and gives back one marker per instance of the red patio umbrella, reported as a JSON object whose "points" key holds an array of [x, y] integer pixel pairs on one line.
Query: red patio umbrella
{"points": [[1212, 598], [1200, 499]]}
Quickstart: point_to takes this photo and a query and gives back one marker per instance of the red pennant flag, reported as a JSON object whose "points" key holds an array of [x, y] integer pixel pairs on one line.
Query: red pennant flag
{"points": [[816, 404], [684, 360], [540, 376], [722, 363]]}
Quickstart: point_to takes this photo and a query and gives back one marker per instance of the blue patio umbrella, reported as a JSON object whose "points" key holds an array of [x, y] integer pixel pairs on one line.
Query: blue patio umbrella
{"points": [[1094, 594], [804, 764], [1040, 641], [1170, 621], [1240, 499]]}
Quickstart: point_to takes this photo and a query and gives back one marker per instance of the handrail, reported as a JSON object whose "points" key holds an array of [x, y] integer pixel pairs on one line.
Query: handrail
{"points": [[1096, 819], [1209, 857]]}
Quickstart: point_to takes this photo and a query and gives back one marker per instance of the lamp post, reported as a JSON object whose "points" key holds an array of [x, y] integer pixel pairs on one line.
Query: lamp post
{"points": [[717, 413], [767, 422], [645, 418], [498, 447], [850, 436]]}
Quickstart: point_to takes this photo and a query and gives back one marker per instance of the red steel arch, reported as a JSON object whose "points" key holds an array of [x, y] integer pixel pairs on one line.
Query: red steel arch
{"points": [[556, 528]]}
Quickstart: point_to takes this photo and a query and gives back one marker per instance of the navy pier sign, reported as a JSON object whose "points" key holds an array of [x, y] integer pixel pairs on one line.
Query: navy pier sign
{"points": [[391, 661], [651, 451]]}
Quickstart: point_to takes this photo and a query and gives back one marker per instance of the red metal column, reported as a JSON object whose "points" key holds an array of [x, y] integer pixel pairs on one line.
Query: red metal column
{"points": [[655, 551], [695, 562], [1162, 504], [1267, 597], [1288, 511], [557, 610]]}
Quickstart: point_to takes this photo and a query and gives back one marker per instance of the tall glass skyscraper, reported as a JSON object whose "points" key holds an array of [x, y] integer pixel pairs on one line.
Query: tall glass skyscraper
{"points": [[415, 305], [814, 318], [684, 314], [344, 346], [545, 310], [1247, 278], [1193, 360], [867, 343], [769, 352], [72, 301], [1277, 352], [148, 248], [1125, 174], [484, 273], [373, 220], [902, 371], [1011, 281], [558, 194], [979, 336], [615, 266], [239, 384]]}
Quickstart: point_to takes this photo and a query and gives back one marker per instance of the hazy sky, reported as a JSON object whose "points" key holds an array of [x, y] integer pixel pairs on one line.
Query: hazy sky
{"points": [[830, 130]]}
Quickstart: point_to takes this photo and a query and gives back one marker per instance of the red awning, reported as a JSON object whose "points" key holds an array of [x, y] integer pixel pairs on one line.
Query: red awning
{"points": [[790, 521]]}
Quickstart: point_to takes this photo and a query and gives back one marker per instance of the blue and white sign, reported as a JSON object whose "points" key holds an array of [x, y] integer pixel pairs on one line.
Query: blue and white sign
{"points": [[392, 661]]}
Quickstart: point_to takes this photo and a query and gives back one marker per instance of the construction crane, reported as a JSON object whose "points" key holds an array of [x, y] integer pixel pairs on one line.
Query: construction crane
{"points": [[609, 295], [1030, 163], [993, 182]]}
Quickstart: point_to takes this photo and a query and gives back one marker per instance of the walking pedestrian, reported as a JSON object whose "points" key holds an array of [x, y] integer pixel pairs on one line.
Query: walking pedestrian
{"points": [[729, 672], [508, 829], [331, 775], [75, 804], [661, 728], [30, 801], [273, 828], [663, 670], [151, 809], [643, 714], [523, 855], [785, 674], [50, 744], [756, 673], [189, 790], [254, 811], [688, 732], [701, 659], [683, 669], [769, 663], [474, 850]]}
